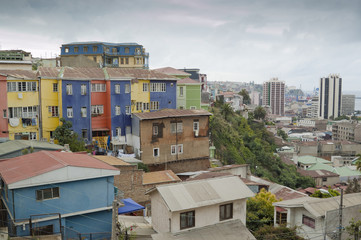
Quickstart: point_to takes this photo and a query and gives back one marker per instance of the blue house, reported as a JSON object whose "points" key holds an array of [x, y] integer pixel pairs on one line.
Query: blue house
{"points": [[49, 193], [166, 95]]}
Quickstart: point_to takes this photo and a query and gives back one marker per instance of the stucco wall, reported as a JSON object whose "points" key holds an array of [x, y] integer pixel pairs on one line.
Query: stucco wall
{"points": [[160, 213], [3, 106]]}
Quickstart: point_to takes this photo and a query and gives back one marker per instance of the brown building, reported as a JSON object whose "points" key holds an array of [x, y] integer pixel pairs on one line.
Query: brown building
{"points": [[172, 139], [328, 148]]}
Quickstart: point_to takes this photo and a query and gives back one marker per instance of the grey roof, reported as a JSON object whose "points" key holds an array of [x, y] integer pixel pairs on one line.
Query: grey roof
{"points": [[319, 206], [18, 145], [16, 62], [195, 194], [228, 230], [104, 43]]}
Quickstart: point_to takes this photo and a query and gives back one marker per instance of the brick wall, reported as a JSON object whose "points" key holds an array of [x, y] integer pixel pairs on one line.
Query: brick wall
{"points": [[189, 165]]}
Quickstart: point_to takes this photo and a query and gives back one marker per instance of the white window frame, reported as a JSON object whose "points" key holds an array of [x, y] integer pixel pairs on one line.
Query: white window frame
{"points": [[181, 91], [83, 89], [155, 130], [118, 131], [178, 125], [127, 110], [97, 109], [5, 115], [32, 136], [145, 87], [193, 107], [98, 87], [158, 87], [69, 89], [55, 87], [139, 106], [54, 111], [145, 106], [156, 149], [83, 112], [69, 112], [154, 105], [176, 149], [117, 88], [127, 88], [195, 126], [117, 110]]}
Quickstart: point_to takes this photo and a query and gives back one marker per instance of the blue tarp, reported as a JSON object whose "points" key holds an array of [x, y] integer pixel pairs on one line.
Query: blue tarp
{"points": [[130, 206]]}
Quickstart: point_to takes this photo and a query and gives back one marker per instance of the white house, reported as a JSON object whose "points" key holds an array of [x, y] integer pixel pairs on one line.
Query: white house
{"points": [[191, 209], [318, 218]]}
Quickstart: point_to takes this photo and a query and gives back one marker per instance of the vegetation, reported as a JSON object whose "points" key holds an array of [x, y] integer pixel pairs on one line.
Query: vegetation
{"points": [[65, 135], [245, 95], [143, 167], [260, 210], [259, 113], [319, 194], [282, 134], [26, 150], [239, 141], [358, 162], [342, 118], [353, 186], [277, 233], [354, 228]]}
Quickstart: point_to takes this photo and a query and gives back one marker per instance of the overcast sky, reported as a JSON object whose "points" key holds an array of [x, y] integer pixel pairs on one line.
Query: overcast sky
{"points": [[297, 41]]}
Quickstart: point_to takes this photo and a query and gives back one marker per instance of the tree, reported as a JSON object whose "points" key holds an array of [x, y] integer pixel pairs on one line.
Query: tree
{"points": [[342, 117], [64, 135], [358, 162], [226, 110], [354, 228], [259, 113], [245, 95], [260, 210], [282, 134], [353, 186], [319, 194], [277, 233]]}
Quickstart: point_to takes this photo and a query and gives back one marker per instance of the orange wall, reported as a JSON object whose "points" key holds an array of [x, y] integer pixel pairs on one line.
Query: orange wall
{"points": [[101, 98]]}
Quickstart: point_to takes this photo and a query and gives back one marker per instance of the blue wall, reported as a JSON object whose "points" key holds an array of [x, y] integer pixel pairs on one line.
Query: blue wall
{"points": [[100, 50], [77, 101], [123, 99], [167, 99]]}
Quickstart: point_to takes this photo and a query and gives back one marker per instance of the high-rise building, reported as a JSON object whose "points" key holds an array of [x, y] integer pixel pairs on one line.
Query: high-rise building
{"points": [[274, 96], [348, 104], [329, 103], [312, 111]]}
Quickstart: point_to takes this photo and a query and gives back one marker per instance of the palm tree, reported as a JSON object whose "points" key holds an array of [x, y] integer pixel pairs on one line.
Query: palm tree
{"points": [[226, 110]]}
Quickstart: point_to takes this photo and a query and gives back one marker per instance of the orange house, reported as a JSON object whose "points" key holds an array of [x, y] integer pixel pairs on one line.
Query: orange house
{"points": [[100, 108]]}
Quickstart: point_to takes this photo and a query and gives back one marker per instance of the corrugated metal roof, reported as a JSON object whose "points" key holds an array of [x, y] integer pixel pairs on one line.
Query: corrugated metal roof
{"points": [[194, 194], [188, 81], [112, 160], [172, 71], [133, 73], [18, 145], [22, 74], [227, 230], [49, 72], [34, 164], [307, 159], [167, 113], [160, 177]]}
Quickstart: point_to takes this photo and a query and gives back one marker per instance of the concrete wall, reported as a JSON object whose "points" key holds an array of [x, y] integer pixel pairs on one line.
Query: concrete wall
{"points": [[190, 165], [3, 106], [122, 100], [160, 214]]}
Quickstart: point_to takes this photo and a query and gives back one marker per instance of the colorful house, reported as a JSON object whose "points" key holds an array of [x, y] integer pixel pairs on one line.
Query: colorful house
{"points": [[46, 193], [102, 54], [188, 94], [4, 131]]}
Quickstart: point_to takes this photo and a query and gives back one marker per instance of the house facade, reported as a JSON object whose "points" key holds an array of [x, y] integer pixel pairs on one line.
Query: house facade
{"points": [[171, 138], [188, 94], [4, 132], [57, 192]]}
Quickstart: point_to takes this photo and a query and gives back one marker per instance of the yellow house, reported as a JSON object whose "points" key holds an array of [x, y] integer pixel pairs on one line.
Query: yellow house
{"points": [[23, 104], [140, 96], [51, 100]]}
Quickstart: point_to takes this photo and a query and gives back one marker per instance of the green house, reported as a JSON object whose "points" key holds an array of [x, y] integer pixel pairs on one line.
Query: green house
{"points": [[188, 94]]}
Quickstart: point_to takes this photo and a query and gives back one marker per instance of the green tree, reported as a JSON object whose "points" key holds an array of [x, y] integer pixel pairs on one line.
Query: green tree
{"points": [[319, 194], [358, 162], [226, 110], [245, 95], [260, 210], [342, 117], [64, 135], [259, 113], [282, 134], [277, 233], [353, 186], [354, 228]]}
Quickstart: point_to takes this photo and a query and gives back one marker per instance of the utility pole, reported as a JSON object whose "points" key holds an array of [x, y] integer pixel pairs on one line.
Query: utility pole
{"points": [[340, 216], [114, 220]]}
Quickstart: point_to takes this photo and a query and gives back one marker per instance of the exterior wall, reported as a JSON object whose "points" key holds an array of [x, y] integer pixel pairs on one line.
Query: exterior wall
{"points": [[329, 182], [50, 98], [102, 121], [193, 96], [330, 100], [181, 100], [81, 61], [23, 99], [123, 99], [77, 101], [160, 213], [274, 96], [3, 107], [138, 95], [308, 150], [348, 104], [306, 231], [193, 147], [188, 165], [17, 66], [209, 215], [167, 99]]}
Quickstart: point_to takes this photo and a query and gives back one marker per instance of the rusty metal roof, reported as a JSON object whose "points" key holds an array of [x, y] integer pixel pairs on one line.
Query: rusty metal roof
{"points": [[172, 71], [132, 73], [49, 72], [160, 177], [22, 74], [168, 113]]}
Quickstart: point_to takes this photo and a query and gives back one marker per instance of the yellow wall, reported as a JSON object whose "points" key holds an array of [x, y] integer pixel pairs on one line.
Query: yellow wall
{"points": [[28, 99], [50, 98], [137, 94]]}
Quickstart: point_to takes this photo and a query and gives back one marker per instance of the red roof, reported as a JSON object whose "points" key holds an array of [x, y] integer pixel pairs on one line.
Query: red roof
{"points": [[34, 164]]}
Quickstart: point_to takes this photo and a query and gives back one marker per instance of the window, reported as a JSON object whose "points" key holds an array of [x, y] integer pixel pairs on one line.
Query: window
{"points": [[139, 106], [85, 49], [66, 49], [121, 60], [155, 130], [118, 131], [83, 89], [43, 230], [126, 60], [47, 193], [324, 179], [308, 221], [181, 91], [84, 133], [138, 61], [30, 112], [176, 127], [281, 217], [225, 211], [11, 86], [127, 88], [155, 152], [126, 50], [145, 106], [95, 48], [97, 109], [157, 87], [54, 111], [154, 105], [69, 89], [15, 112], [83, 111], [55, 87], [98, 87], [180, 148], [195, 125], [193, 107], [127, 110], [187, 220], [69, 112], [117, 110], [76, 49], [145, 87], [32, 136], [21, 87], [117, 88], [114, 50], [176, 149], [4, 113]]}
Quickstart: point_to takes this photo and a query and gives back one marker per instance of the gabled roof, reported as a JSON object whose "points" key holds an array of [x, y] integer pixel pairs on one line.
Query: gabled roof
{"points": [[18, 145], [168, 113], [83, 73], [172, 71], [132, 73], [307, 159], [188, 81], [46, 167], [195, 194], [321, 166], [112, 160], [166, 176], [319, 206], [317, 173], [49, 72], [346, 172], [20, 74]]}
